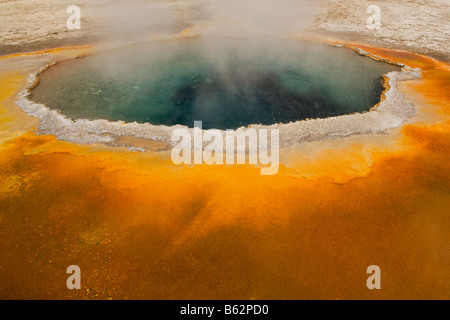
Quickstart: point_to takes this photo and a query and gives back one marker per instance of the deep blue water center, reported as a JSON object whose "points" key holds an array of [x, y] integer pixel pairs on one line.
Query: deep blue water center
{"points": [[226, 83]]}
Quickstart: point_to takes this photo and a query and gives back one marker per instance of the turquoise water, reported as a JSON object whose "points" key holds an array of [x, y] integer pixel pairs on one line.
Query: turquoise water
{"points": [[226, 83]]}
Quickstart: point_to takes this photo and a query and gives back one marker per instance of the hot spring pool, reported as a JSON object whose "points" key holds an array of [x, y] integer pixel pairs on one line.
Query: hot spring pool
{"points": [[225, 83]]}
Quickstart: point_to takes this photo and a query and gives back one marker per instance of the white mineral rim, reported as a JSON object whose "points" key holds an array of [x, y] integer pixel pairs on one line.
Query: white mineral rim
{"points": [[390, 113]]}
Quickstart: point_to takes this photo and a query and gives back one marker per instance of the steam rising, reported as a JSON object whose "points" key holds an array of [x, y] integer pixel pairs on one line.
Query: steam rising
{"points": [[138, 18], [253, 20]]}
